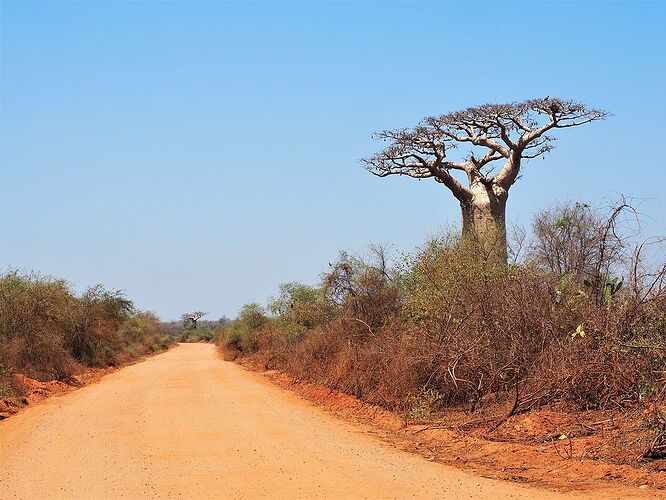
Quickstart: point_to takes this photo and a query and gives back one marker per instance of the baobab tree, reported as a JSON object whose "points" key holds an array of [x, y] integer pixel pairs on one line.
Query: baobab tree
{"points": [[193, 317], [491, 143]]}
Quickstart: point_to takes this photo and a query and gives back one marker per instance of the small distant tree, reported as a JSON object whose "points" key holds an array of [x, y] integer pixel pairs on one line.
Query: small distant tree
{"points": [[586, 246], [567, 240], [301, 305], [363, 288], [191, 319], [241, 333], [483, 136]]}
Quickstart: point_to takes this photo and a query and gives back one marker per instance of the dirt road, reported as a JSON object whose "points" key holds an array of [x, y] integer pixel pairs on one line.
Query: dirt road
{"points": [[187, 424]]}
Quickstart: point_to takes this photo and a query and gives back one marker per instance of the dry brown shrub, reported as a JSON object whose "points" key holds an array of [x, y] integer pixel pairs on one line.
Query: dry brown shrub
{"points": [[47, 333], [444, 329]]}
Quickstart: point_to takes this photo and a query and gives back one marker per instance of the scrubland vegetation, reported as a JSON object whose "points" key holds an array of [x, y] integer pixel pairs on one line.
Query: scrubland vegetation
{"points": [[577, 319], [203, 333], [193, 328], [47, 332]]}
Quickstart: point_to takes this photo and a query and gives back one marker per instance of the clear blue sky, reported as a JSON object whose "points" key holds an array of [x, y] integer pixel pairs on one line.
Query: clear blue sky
{"points": [[196, 155]]}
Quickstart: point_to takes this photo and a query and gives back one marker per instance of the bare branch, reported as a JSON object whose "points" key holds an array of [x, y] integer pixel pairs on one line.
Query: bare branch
{"points": [[513, 131]]}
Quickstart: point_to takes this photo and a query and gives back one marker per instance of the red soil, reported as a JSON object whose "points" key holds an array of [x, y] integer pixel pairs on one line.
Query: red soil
{"points": [[547, 448]]}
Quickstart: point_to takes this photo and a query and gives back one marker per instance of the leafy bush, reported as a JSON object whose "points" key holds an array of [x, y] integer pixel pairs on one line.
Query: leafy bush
{"points": [[203, 334], [242, 332], [8, 386], [364, 289], [36, 315], [47, 332], [142, 334], [95, 339], [299, 308]]}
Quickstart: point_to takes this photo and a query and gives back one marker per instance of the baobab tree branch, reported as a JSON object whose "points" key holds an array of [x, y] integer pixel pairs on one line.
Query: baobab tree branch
{"points": [[508, 173], [504, 134], [519, 124], [483, 141], [490, 157], [453, 165], [536, 154], [575, 123], [479, 141], [459, 191], [561, 114]]}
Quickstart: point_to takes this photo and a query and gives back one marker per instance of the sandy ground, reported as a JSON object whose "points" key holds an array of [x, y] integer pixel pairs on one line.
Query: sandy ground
{"points": [[187, 424]]}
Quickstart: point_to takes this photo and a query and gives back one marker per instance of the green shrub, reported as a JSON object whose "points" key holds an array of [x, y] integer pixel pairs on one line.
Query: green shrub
{"points": [[47, 332], [299, 308], [8, 387], [96, 338], [242, 332], [36, 315]]}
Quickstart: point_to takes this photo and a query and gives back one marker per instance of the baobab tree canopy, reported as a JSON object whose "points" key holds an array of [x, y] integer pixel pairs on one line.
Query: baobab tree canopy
{"points": [[487, 144]]}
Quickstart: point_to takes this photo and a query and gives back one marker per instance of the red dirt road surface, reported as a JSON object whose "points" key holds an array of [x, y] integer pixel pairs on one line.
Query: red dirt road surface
{"points": [[187, 424]]}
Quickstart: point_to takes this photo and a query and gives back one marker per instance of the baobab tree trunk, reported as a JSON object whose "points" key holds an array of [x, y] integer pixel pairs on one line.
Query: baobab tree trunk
{"points": [[483, 221]]}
